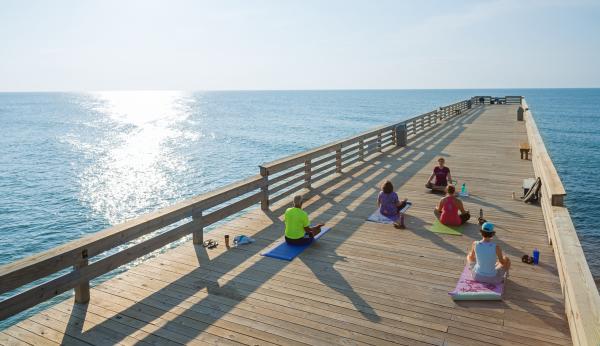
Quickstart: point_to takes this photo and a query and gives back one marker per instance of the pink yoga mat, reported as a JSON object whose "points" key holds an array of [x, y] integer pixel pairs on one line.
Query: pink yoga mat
{"points": [[469, 289]]}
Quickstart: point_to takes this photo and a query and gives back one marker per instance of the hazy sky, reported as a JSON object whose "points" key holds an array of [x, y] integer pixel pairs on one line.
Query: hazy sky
{"points": [[200, 45]]}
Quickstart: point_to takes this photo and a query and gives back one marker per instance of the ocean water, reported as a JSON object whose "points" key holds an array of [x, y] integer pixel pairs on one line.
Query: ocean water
{"points": [[75, 163]]}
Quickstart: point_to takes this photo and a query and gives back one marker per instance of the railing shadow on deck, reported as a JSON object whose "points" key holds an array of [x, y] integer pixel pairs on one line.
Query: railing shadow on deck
{"points": [[486, 204], [240, 286], [202, 315]]}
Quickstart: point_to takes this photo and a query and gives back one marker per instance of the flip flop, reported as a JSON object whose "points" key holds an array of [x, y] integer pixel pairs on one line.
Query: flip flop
{"points": [[527, 259], [210, 244]]}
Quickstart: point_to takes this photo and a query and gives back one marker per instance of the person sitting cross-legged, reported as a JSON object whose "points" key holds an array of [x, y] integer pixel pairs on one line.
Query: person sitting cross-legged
{"points": [[487, 262], [448, 208], [442, 176], [297, 225], [390, 205]]}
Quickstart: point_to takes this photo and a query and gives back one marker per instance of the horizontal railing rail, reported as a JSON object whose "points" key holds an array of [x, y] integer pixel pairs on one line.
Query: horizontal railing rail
{"points": [[509, 100], [582, 300], [514, 100], [220, 204], [91, 256], [293, 173]]}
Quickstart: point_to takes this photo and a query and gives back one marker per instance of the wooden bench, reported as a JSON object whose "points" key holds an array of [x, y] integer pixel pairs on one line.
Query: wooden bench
{"points": [[524, 148]]}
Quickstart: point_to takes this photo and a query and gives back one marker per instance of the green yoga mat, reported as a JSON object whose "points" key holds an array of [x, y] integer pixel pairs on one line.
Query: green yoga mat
{"points": [[439, 227]]}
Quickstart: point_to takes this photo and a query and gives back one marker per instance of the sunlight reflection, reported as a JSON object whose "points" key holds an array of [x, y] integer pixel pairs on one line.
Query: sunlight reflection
{"points": [[138, 158]]}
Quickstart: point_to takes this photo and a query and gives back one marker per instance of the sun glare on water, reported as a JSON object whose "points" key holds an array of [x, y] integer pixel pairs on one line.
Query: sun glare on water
{"points": [[136, 161]]}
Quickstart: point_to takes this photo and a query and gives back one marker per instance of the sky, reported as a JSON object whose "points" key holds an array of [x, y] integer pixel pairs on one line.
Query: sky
{"points": [[84, 45]]}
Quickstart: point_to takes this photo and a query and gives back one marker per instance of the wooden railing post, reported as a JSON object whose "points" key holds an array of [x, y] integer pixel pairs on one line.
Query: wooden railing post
{"points": [[199, 208], [401, 135], [264, 202], [82, 292], [361, 149], [307, 170], [338, 160], [197, 233]]}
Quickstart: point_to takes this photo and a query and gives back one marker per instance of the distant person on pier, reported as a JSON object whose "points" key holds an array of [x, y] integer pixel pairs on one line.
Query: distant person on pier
{"points": [[297, 225], [487, 262], [442, 176], [390, 205], [449, 207]]}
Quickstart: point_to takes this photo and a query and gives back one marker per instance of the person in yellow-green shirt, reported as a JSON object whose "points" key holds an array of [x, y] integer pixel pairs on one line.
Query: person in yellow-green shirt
{"points": [[297, 226]]}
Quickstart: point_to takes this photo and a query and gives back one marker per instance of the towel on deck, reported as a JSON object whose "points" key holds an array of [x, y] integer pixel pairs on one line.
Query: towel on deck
{"points": [[380, 218]]}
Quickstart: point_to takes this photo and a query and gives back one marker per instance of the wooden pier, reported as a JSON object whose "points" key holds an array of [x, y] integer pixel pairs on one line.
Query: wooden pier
{"points": [[362, 283]]}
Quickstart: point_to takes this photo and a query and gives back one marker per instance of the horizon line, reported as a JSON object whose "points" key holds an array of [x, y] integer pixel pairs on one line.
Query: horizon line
{"points": [[284, 90]]}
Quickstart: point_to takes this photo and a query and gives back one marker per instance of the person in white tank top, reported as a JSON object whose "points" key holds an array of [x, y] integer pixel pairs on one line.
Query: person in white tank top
{"points": [[487, 262]]}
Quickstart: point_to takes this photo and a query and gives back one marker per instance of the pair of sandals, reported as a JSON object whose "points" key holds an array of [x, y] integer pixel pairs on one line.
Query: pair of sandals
{"points": [[210, 244], [527, 259]]}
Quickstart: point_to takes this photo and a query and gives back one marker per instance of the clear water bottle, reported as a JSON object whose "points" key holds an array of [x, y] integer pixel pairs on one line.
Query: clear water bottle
{"points": [[536, 256]]}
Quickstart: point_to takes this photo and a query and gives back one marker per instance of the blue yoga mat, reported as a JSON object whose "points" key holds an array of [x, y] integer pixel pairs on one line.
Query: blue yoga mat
{"points": [[284, 251]]}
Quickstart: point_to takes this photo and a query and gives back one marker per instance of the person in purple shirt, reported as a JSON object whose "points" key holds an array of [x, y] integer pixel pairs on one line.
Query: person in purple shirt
{"points": [[442, 176], [390, 205]]}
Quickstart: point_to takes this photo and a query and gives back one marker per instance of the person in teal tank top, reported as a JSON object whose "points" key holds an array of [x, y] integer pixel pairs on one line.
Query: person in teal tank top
{"points": [[297, 225], [487, 262]]}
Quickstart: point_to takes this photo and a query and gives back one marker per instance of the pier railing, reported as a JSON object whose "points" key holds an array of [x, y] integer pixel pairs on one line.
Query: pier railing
{"points": [[507, 100], [296, 172], [582, 300], [74, 264]]}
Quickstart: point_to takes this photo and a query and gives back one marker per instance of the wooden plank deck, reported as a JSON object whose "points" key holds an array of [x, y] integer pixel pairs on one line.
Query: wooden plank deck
{"points": [[363, 283]]}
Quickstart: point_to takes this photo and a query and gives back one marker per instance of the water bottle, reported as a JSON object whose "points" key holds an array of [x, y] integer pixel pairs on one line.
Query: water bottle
{"points": [[463, 190], [536, 256]]}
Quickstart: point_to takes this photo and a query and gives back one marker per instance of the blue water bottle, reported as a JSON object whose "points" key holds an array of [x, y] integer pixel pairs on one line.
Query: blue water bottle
{"points": [[536, 256], [463, 190]]}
